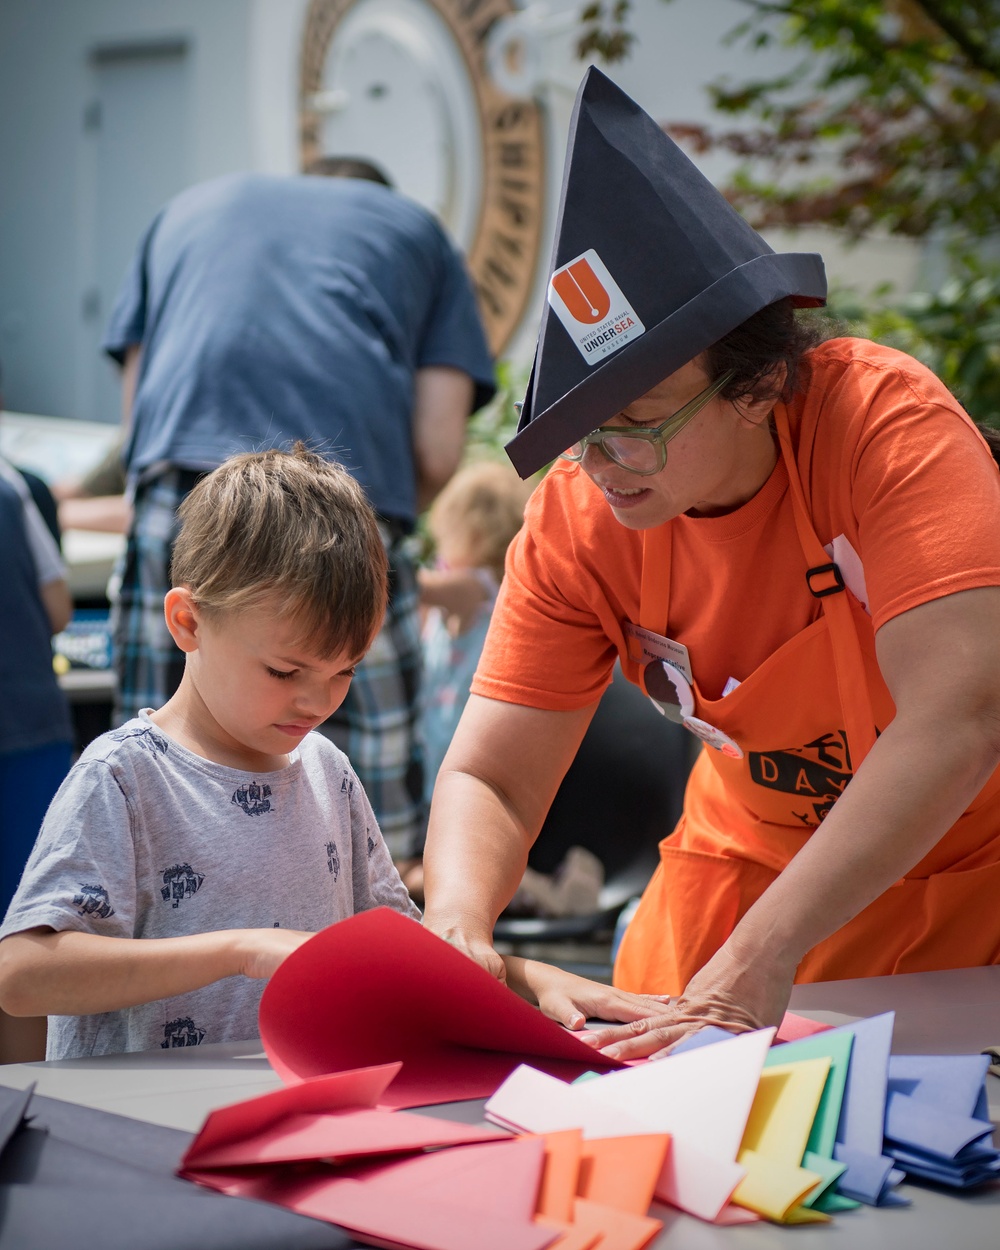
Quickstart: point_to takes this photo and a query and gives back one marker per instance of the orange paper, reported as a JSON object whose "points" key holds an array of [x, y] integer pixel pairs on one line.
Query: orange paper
{"points": [[560, 1175], [622, 1172], [619, 1230]]}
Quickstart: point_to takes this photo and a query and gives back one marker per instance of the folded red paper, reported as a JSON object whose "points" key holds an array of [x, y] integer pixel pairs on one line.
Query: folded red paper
{"points": [[379, 988], [478, 1196], [326, 1118]]}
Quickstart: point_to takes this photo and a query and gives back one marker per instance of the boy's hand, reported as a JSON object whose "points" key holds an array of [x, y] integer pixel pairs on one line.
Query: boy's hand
{"points": [[262, 950], [478, 948], [571, 1000]]}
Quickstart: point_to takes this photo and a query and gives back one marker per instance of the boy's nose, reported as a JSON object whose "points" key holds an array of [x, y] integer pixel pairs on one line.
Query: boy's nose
{"points": [[311, 705]]}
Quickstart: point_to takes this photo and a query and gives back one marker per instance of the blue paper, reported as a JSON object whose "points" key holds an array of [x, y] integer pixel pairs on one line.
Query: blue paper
{"points": [[707, 1036], [954, 1082], [867, 1175], [862, 1113], [930, 1127]]}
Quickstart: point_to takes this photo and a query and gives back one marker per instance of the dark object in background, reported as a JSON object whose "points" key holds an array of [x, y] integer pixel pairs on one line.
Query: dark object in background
{"points": [[44, 502], [621, 796]]}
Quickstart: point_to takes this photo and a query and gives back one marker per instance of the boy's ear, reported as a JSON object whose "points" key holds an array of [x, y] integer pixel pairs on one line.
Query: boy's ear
{"points": [[181, 614]]}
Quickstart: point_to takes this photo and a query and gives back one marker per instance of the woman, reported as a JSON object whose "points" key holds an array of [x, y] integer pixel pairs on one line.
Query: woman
{"points": [[809, 579]]}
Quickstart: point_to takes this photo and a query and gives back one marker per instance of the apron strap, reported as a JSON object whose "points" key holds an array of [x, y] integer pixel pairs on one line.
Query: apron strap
{"points": [[654, 589], [826, 583]]}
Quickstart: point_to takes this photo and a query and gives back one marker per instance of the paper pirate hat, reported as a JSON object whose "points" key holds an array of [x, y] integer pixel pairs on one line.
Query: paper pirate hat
{"points": [[651, 266]]}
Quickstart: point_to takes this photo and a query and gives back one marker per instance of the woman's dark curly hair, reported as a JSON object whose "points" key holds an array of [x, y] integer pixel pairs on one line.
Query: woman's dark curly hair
{"points": [[771, 338], [757, 348]]}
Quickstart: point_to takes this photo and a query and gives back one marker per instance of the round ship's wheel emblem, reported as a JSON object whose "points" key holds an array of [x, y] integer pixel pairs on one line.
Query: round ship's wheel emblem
{"points": [[404, 83]]}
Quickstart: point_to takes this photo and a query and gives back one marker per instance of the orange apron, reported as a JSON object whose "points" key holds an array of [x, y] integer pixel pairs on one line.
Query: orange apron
{"points": [[804, 720]]}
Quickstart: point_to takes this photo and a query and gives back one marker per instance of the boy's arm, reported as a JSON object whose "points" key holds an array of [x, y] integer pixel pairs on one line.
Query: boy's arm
{"points": [[572, 1000], [45, 973]]}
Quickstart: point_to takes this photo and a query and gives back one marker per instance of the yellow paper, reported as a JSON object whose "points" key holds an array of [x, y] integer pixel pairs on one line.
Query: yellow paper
{"points": [[772, 1188], [775, 1140], [784, 1108]]}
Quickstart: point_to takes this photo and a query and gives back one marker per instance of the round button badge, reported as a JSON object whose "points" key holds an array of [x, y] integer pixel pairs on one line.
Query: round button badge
{"points": [[669, 690], [670, 693], [714, 737]]}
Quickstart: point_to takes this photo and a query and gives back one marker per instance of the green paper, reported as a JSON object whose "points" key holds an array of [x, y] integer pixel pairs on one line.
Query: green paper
{"points": [[836, 1046], [828, 1169], [832, 1202]]}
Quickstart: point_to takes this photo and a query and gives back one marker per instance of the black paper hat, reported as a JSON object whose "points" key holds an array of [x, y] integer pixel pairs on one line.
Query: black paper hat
{"points": [[651, 266]]}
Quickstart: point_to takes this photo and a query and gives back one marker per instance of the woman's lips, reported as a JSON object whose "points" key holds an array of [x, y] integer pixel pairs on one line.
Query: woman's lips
{"points": [[620, 498]]}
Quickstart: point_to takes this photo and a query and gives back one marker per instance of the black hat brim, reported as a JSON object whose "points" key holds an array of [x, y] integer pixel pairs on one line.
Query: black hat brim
{"points": [[660, 351]]}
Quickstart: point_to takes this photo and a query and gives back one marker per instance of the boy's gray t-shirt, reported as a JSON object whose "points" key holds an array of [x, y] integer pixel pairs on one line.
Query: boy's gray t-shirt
{"points": [[145, 839]]}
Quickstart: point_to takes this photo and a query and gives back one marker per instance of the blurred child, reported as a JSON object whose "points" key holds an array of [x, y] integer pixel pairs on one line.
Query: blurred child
{"points": [[36, 733], [472, 522], [35, 730]]}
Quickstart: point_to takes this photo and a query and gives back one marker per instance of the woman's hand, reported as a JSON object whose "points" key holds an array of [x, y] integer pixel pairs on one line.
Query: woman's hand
{"points": [[732, 992], [570, 999]]}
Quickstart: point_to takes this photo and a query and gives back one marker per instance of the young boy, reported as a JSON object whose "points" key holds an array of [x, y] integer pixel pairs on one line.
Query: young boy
{"points": [[219, 830]]}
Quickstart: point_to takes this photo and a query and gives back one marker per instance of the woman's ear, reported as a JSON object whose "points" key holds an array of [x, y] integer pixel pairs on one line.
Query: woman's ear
{"points": [[181, 614], [756, 408]]}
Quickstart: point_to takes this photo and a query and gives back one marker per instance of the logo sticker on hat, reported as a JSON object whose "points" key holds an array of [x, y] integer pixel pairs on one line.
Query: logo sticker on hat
{"points": [[590, 304]]}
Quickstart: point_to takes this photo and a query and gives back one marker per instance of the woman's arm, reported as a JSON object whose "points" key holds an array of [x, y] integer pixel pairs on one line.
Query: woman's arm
{"points": [[939, 662], [493, 791], [44, 973]]}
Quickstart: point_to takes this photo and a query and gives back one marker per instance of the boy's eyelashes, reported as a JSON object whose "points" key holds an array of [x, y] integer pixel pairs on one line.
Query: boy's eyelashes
{"points": [[283, 676]]}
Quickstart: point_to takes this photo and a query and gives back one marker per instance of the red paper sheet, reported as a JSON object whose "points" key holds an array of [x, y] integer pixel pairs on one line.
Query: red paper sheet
{"points": [[466, 1197], [378, 987]]}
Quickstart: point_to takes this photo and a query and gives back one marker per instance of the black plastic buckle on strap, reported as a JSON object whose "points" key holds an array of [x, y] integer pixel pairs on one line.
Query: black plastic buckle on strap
{"points": [[822, 570]]}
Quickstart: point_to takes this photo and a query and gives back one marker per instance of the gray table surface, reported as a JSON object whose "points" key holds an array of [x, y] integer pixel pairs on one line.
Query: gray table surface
{"points": [[936, 1013]]}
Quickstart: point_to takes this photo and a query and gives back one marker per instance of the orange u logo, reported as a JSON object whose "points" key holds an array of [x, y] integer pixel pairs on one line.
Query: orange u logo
{"points": [[582, 292]]}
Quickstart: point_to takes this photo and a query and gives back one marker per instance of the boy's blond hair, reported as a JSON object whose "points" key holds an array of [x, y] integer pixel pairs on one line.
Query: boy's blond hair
{"points": [[291, 528], [482, 507]]}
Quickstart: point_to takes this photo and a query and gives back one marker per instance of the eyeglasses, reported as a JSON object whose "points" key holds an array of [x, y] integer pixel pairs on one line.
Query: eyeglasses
{"points": [[644, 451]]}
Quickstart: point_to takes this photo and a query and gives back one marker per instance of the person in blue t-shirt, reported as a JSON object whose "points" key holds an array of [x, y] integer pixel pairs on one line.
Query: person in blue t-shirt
{"points": [[259, 310]]}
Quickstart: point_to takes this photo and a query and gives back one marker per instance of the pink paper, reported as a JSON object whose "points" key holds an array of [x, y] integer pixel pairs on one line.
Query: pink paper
{"points": [[378, 987], [457, 1199], [342, 1135], [794, 1027], [232, 1125]]}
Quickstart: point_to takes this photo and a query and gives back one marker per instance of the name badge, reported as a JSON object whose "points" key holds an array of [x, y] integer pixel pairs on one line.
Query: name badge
{"points": [[644, 645]]}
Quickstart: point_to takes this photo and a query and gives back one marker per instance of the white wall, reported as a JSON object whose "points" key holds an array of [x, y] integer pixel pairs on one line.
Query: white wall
{"points": [[48, 233]]}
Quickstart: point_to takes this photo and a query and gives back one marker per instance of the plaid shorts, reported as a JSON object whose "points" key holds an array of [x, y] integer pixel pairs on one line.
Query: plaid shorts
{"points": [[377, 725]]}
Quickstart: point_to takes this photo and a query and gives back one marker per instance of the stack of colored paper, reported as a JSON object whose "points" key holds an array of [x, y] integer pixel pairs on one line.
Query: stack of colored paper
{"points": [[729, 1129], [737, 1133], [844, 1138], [937, 1121], [323, 1148]]}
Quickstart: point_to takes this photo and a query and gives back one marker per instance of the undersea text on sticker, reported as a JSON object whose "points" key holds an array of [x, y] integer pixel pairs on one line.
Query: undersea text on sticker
{"points": [[593, 309]]}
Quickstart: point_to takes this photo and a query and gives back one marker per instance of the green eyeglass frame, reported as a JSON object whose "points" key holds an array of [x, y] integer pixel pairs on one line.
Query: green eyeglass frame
{"points": [[644, 451]]}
